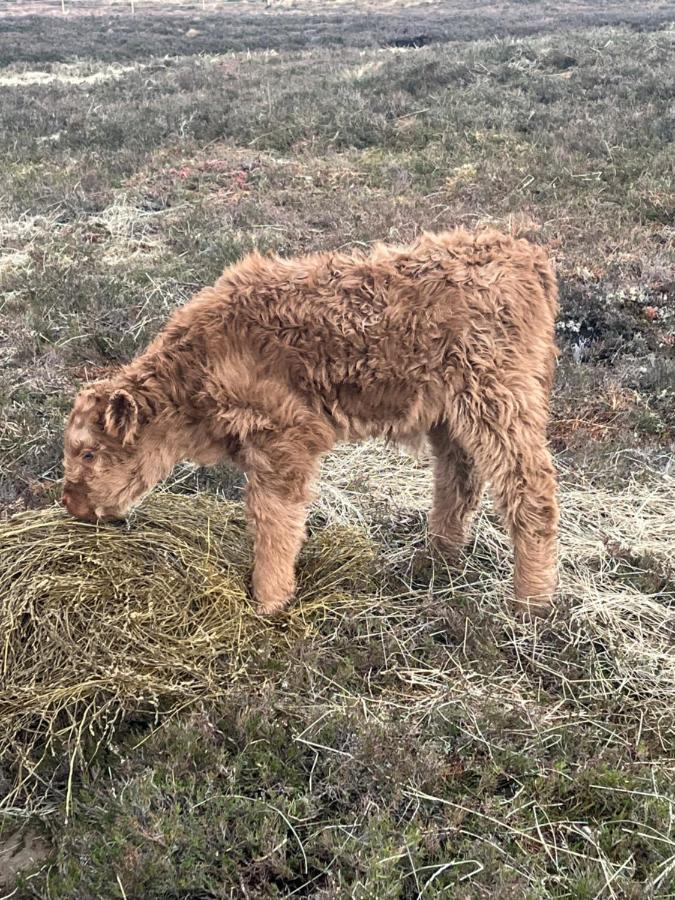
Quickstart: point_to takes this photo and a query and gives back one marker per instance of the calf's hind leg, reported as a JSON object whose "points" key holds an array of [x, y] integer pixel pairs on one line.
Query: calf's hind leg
{"points": [[525, 494], [515, 459], [458, 487]]}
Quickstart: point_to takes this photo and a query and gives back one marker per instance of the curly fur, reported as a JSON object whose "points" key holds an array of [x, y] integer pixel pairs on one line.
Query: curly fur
{"points": [[449, 337]]}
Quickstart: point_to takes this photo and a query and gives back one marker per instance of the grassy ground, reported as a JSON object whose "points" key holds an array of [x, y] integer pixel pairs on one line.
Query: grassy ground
{"points": [[415, 740]]}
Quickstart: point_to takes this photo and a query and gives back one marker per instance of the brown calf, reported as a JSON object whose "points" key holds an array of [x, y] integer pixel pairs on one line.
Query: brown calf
{"points": [[449, 337]]}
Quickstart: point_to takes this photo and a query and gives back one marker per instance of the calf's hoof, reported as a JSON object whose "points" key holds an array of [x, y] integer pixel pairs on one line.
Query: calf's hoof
{"points": [[534, 591], [271, 607], [448, 546], [271, 598], [533, 607]]}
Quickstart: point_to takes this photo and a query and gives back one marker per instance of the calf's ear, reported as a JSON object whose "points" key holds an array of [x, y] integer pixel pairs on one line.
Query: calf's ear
{"points": [[121, 416]]}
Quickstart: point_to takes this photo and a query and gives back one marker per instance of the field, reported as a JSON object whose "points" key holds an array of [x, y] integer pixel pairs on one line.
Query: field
{"points": [[400, 734]]}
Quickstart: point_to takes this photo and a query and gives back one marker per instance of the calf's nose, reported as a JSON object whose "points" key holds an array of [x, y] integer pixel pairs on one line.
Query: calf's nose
{"points": [[77, 506]]}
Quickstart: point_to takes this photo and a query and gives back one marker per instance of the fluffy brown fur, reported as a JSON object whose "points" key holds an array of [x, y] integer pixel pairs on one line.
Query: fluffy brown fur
{"points": [[449, 337]]}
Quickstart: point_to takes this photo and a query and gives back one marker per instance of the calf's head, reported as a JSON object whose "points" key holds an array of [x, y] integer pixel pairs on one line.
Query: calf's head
{"points": [[111, 452]]}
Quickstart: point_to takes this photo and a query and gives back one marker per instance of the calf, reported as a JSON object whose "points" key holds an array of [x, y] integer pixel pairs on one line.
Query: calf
{"points": [[451, 337]]}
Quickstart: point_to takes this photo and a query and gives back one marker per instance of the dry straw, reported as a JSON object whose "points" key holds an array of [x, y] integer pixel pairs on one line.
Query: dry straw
{"points": [[99, 621]]}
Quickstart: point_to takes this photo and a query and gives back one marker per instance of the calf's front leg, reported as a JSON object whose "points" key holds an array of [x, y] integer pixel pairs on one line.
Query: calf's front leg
{"points": [[278, 524]]}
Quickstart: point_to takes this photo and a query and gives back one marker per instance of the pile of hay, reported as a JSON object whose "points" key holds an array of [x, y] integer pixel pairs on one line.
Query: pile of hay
{"points": [[96, 621]]}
